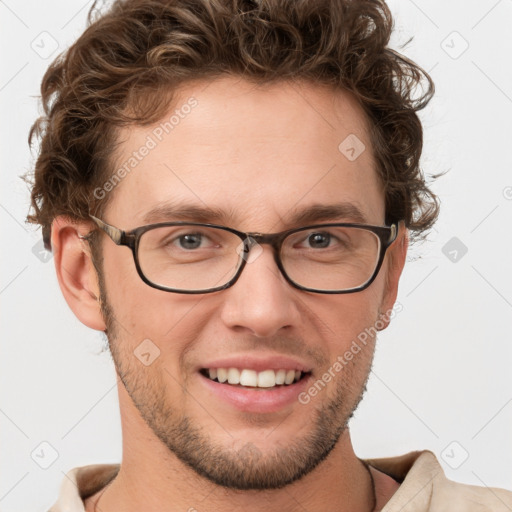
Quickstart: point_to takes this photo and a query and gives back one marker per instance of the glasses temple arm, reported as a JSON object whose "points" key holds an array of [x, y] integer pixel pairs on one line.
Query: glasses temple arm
{"points": [[114, 233]]}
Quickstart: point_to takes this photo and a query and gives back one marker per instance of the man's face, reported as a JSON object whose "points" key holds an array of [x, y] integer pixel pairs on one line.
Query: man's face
{"points": [[260, 155]]}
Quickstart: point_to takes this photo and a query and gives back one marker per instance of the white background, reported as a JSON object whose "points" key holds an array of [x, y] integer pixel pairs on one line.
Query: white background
{"points": [[442, 370]]}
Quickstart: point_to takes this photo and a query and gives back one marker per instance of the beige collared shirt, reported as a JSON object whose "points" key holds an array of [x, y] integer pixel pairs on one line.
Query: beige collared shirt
{"points": [[423, 487]]}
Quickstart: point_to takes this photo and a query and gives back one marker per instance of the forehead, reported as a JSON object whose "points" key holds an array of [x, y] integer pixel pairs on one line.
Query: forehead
{"points": [[258, 153]]}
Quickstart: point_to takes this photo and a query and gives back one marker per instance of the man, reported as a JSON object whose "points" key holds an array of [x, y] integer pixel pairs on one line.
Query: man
{"points": [[228, 188]]}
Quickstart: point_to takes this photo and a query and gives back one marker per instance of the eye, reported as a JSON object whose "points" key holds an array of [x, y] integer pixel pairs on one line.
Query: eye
{"points": [[181, 240], [190, 240], [319, 240]]}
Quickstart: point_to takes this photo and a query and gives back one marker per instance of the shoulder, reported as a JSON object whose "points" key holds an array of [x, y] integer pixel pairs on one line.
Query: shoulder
{"points": [[455, 496], [80, 483], [424, 487]]}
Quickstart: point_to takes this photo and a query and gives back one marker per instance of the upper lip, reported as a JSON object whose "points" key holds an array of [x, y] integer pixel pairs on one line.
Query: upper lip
{"points": [[259, 363]]}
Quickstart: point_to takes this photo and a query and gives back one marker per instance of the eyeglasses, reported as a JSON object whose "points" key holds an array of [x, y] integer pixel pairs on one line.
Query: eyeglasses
{"points": [[188, 257]]}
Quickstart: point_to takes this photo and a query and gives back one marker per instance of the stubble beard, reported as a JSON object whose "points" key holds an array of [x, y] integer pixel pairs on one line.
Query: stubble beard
{"points": [[245, 468]]}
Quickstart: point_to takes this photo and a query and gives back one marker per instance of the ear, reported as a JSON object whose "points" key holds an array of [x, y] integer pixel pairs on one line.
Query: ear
{"points": [[395, 257], [76, 274]]}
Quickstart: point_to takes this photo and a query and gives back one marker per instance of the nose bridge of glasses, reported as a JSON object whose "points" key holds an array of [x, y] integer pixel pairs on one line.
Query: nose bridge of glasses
{"points": [[272, 239], [253, 240]]}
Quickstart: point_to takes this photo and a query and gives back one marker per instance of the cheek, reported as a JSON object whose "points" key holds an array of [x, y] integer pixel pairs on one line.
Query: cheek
{"points": [[342, 318], [126, 291], [171, 321], [134, 304], [352, 337]]}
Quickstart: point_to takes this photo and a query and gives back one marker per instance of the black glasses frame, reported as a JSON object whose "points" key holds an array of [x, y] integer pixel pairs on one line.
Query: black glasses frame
{"points": [[386, 234]]}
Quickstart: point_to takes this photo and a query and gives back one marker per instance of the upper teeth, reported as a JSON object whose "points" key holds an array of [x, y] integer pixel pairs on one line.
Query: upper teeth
{"points": [[246, 377]]}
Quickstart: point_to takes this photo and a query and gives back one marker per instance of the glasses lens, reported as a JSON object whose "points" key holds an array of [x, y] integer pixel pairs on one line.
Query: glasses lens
{"points": [[331, 258], [189, 257]]}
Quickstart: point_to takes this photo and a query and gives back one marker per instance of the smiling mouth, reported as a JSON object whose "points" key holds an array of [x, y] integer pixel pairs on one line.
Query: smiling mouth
{"points": [[246, 378]]}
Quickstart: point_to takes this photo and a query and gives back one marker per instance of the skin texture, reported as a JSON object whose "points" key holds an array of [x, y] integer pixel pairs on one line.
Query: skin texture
{"points": [[260, 154]]}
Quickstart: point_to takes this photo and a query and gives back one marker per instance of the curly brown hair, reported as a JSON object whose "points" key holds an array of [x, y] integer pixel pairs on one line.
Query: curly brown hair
{"points": [[126, 65]]}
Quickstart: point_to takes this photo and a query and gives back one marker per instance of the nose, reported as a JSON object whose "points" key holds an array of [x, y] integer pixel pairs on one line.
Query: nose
{"points": [[261, 301]]}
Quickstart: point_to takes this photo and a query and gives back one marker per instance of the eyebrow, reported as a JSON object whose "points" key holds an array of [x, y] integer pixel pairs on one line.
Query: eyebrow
{"points": [[328, 212], [170, 211]]}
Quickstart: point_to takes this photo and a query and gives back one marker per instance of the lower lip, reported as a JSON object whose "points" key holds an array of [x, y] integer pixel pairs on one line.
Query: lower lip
{"points": [[259, 400]]}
